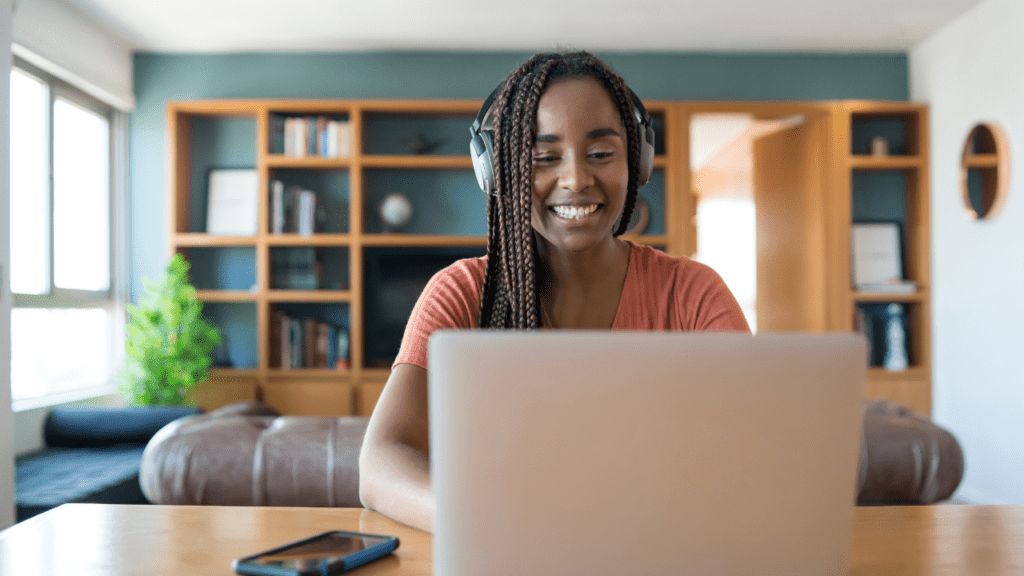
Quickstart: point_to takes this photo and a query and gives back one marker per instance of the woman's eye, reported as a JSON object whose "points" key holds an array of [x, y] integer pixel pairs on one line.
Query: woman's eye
{"points": [[544, 159], [601, 155]]}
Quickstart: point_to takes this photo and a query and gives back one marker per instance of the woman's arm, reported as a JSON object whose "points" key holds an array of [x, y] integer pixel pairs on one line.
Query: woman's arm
{"points": [[394, 464]]}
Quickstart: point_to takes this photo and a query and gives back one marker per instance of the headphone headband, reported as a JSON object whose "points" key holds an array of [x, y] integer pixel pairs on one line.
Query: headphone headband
{"points": [[481, 144]]}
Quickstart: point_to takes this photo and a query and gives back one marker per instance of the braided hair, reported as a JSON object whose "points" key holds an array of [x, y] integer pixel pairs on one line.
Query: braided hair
{"points": [[510, 297]]}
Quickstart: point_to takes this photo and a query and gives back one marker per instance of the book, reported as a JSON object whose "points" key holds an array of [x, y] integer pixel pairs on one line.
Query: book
{"points": [[280, 330], [310, 135], [321, 136], [306, 214], [276, 207], [332, 346], [232, 202], [341, 348], [295, 343], [323, 333], [277, 133], [310, 332], [339, 138]]}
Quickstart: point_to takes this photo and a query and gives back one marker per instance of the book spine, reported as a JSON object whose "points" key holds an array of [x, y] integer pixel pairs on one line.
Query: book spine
{"points": [[307, 212], [342, 348], [289, 136], [331, 139], [344, 138], [332, 346], [309, 340], [322, 337], [297, 346], [275, 340], [311, 136], [276, 207], [321, 136], [285, 338], [277, 134]]}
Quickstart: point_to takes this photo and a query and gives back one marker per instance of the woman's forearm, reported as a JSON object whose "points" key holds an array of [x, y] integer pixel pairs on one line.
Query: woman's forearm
{"points": [[394, 479]]}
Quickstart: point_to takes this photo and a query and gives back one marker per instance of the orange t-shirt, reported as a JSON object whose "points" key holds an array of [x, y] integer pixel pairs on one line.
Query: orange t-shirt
{"points": [[661, 292]]}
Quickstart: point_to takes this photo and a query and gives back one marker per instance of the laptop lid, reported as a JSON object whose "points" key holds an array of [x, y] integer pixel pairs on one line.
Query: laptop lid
{"points": [[611, 453]]}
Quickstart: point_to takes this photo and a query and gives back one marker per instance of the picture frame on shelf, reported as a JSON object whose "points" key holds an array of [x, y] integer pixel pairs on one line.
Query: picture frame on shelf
{"points": [[877, 257], [232, 202]]}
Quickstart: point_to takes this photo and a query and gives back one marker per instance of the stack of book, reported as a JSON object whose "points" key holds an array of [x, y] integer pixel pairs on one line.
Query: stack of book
{"points": [[303, 136], [307, 343], [295, 269], [294, 210]]}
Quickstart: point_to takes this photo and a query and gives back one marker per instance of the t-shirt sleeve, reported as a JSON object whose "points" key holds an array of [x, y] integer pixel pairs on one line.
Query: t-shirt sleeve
{"points": [[451, 299]]}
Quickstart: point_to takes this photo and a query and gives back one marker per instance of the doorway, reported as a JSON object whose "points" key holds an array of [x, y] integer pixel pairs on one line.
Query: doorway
{"points": [[758, 178]]}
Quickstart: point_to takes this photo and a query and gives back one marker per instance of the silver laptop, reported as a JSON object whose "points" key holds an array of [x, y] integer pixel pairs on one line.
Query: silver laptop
{"points": [[614, 453]]}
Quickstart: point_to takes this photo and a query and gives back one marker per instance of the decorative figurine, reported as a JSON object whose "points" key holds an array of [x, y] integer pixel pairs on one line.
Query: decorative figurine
{"points": [[395, 211], [895, 339], [423, 145]]}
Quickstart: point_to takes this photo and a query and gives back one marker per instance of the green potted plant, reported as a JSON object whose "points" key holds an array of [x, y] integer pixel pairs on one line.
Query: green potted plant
{"points": [[169, 344]]}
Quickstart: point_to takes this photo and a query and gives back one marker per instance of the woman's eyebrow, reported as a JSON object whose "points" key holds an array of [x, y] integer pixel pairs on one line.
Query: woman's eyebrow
{"points": [[592, 135], [601, 132]]}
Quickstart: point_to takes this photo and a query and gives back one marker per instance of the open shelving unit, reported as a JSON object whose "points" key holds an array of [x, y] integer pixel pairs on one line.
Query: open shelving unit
{"points": [[888, 187]]}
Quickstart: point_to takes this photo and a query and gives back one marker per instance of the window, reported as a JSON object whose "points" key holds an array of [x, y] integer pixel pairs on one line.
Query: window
{"points": [[67, 316]]}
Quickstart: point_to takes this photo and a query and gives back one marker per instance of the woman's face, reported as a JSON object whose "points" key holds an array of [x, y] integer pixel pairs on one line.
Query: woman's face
{"points": [[580, 165]]}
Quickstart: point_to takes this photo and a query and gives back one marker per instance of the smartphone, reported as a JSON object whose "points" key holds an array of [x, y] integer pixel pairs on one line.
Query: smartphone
{"points": [[321, 555]]}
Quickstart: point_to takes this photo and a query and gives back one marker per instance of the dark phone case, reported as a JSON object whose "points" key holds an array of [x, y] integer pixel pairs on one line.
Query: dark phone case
{"points": [[349, 562]]}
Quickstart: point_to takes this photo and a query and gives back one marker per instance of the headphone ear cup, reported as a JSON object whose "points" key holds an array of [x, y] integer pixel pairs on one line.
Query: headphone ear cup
{"points": [[646, 153], [481, 148]]}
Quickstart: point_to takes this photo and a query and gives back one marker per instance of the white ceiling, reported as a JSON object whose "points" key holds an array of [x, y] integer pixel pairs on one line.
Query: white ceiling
{"points": [[598, 25]]}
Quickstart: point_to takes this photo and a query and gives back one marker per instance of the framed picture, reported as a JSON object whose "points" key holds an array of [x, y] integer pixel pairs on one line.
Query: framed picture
{"points": [[231, 202], [877, 249]]}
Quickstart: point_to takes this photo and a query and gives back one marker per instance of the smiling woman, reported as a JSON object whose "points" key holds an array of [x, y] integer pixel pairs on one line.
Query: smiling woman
{"points": [[561, 148]]}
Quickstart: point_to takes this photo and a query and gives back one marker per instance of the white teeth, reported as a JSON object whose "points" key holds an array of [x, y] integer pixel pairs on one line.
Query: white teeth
{"points": [[574, 212]]}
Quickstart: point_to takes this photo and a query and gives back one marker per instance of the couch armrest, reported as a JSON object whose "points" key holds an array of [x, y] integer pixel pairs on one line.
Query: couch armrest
{"points": [[237, 456], [906, 458]]}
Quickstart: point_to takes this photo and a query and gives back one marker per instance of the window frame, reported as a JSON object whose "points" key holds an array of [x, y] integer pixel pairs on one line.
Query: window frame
{"points": [[114, 298]]}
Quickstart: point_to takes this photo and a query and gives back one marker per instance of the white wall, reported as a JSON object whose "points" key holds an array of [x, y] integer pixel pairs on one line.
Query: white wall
{"points": [[6, 417], [68, 45], [971, 72]]}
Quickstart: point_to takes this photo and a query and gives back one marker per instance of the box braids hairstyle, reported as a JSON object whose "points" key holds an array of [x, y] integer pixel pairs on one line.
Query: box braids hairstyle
{"points": [[510, 298]]}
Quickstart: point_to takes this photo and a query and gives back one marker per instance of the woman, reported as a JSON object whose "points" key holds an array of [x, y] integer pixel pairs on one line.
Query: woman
{"points": [[568, 158]]}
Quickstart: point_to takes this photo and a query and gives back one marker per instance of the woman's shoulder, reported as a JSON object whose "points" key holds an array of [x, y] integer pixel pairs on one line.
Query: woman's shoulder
{"points": [[466, 273], [650, 260]]}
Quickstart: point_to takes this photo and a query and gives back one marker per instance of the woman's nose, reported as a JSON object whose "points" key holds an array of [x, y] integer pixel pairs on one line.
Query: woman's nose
{"points": [[575, 174]]}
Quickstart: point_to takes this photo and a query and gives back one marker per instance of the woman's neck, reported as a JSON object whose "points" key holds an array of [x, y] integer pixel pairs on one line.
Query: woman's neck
{"points": [[583, 270]]}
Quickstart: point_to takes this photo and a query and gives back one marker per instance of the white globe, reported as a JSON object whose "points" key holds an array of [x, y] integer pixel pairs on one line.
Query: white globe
{"points": [[395, 211]]}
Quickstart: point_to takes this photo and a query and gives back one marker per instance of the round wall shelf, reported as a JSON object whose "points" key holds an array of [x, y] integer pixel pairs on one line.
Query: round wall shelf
{"points": [[985, 171]]}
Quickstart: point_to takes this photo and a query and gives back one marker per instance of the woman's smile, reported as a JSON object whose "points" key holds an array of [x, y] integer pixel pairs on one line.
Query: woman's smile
{"points": [[575, 213]]}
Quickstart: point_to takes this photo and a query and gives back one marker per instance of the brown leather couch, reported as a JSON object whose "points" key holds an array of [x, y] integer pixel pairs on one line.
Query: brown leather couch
{"points": [[247, 454]]}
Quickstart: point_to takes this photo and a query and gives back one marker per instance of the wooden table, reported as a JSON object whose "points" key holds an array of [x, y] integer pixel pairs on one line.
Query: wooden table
{"points": [[110, 540]]}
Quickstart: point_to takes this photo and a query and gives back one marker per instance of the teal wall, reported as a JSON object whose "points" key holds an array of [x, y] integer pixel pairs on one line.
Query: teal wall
{"points": [[670, 76]]}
